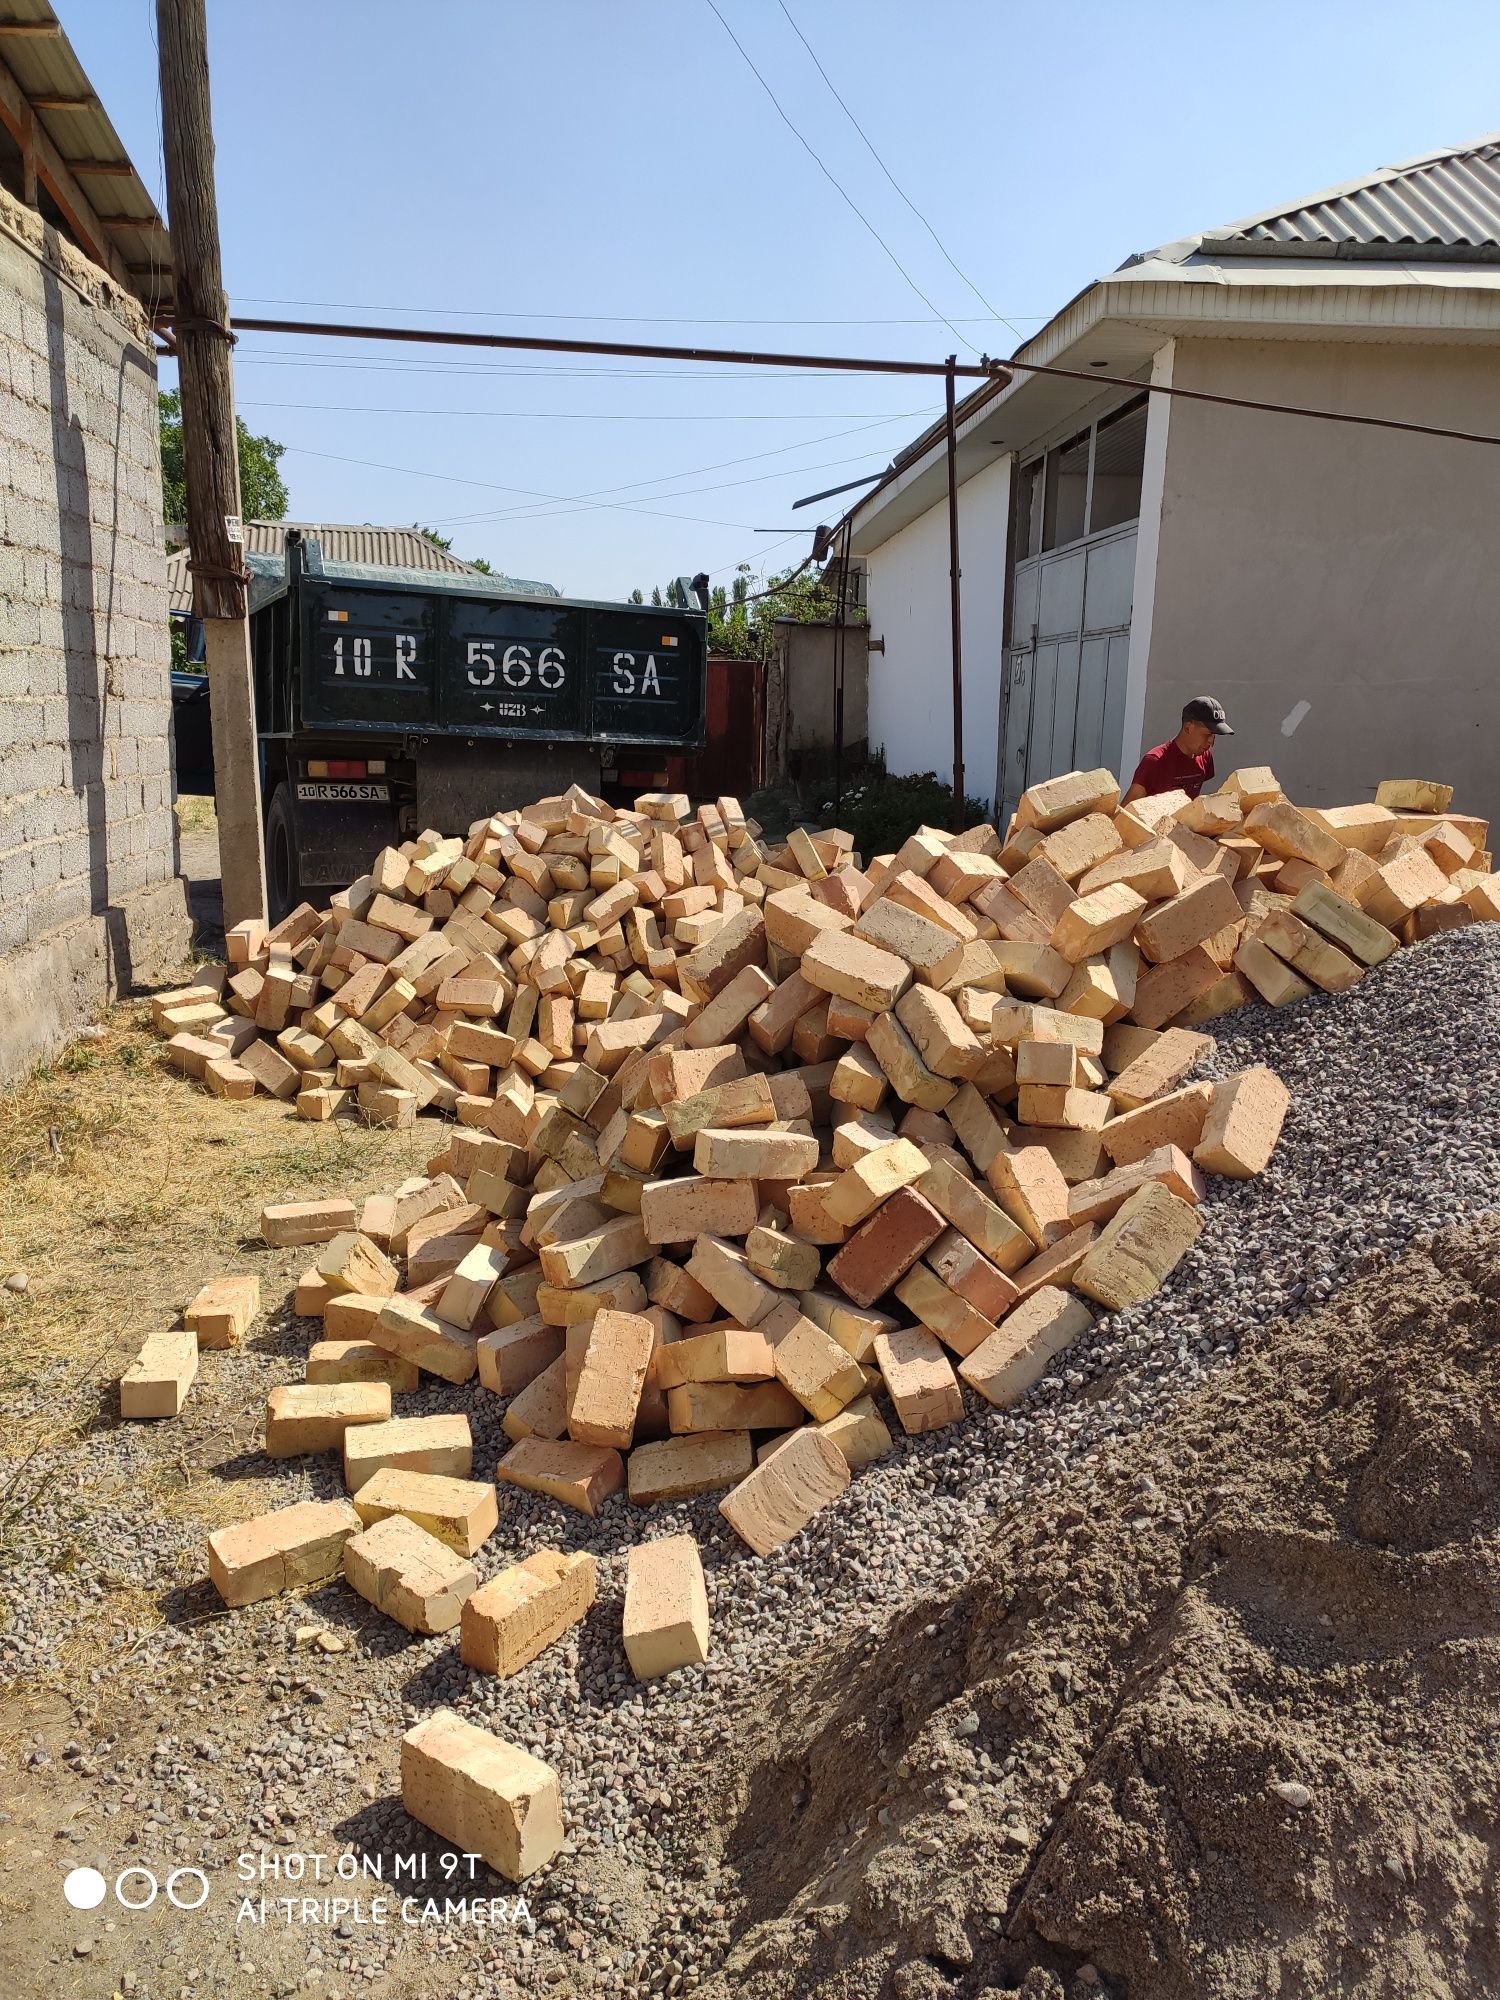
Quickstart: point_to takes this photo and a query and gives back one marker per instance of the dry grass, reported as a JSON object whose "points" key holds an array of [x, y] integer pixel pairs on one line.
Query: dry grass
{"points": [[127, 1187], [196, 815]]}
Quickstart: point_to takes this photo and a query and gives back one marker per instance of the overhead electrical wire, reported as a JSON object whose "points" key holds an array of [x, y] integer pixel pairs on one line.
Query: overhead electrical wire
{"points": [[603, 416], [875, 156], [413, 472], [833, 182], [692, 471], [265, 357], [565, 501], [571, 500], [645, 319]]}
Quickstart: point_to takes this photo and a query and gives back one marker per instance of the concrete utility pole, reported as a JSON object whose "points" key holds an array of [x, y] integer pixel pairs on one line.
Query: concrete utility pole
{"points": [[210, 449]]}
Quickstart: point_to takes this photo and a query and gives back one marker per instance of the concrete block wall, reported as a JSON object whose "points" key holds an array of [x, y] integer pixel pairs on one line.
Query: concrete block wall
{"points": [[91, 902]]}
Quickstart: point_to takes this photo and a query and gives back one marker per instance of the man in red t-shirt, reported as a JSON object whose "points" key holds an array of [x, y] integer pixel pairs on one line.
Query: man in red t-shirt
{"points": [[1186, 763]]}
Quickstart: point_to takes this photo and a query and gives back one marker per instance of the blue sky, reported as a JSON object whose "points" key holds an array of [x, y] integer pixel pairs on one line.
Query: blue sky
{"points": [[613, 168]]}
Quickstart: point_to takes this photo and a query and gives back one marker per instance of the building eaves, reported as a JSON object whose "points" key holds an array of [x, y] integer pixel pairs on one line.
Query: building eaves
{"points": [[80, 155]]}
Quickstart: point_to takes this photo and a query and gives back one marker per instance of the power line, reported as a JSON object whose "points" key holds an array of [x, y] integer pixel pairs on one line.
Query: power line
{"points": [[457, 479], [692, 471], [600, 416], [875, 156], [563, 500], [566, 500], [838, 186], [636, 319], [306, 357], [997, 375]]}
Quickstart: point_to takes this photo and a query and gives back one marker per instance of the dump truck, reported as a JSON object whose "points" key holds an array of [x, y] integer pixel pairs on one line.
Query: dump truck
{"points": [[389, 701]]}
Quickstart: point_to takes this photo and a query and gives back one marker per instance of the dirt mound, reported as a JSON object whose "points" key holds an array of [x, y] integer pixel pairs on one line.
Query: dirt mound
{"points": [[1222, 1720]]}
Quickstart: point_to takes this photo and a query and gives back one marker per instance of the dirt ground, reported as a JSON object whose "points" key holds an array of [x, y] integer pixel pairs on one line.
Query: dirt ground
{"points": [[1223, 1722], [1220, 1717]]}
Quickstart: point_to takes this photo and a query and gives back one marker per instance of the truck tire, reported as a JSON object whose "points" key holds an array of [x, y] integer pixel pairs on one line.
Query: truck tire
{"points": [[283, 876]]}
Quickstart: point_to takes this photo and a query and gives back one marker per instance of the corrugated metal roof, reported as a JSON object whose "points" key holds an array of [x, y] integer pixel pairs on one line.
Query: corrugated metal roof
{"points": [[354, 550], [54, 83], [1351, 263], [1443, 205], [357, 542]]}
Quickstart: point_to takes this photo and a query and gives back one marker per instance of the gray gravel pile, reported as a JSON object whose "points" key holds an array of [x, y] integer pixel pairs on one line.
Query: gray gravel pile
{"points": [[1394, 1131]]}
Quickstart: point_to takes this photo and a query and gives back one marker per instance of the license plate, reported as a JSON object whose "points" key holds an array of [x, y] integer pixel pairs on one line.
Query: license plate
{"points": [[339, 789]]}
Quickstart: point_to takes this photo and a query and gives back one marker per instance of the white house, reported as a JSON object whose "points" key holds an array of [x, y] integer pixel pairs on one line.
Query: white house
{"points": [[1336, 585]]}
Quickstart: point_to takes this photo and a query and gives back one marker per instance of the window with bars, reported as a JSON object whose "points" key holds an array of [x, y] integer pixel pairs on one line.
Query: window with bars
{"points": [[1085, 485]]}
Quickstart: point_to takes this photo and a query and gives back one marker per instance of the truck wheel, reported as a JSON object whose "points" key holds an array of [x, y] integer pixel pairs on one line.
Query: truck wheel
{"points": [[283, 879]]}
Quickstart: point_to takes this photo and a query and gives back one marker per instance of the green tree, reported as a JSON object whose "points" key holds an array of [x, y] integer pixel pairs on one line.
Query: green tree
{"points": [[743, 628], [443, 542], [263, 495], [484, 568]]}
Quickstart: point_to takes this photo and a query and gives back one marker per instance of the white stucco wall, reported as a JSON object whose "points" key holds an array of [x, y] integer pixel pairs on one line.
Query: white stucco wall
{"points": [[911, 713]]}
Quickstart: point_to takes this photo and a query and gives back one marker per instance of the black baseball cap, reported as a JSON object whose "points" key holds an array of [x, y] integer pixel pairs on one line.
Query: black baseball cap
{"points": [[1203, 708]]}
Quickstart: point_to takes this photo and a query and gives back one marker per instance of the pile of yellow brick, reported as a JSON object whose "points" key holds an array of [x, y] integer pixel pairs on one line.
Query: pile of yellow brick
{"points": [[751, 1147]]}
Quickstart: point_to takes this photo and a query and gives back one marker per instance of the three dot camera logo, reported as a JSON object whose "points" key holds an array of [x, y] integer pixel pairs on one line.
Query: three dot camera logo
{"points": [[136, 1888]]}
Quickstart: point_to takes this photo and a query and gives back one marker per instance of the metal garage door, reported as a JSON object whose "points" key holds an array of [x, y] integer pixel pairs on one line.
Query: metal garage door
{"points": [[1064, 698]]}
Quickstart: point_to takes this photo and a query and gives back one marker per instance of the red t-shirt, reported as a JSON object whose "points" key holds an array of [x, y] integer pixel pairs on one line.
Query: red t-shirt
{"points": [[1168, 769]]}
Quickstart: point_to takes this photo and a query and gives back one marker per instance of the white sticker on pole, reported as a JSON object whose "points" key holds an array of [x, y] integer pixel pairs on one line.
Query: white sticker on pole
{"points": [[234, 527]]}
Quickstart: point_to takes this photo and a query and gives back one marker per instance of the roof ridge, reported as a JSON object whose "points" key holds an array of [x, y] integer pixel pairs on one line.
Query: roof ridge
{"points": [[1487, 145]]}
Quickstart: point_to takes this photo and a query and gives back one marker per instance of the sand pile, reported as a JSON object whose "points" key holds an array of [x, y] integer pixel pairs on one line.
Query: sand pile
{"points": [[1223, 1720]]}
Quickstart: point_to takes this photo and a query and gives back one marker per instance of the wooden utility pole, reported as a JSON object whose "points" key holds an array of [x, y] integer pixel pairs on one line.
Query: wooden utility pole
{"points": [[210, 449]]}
